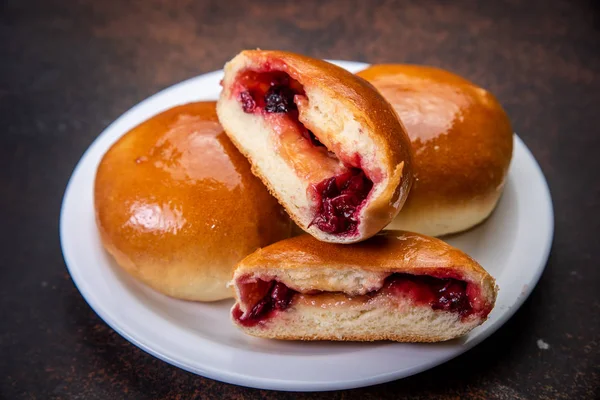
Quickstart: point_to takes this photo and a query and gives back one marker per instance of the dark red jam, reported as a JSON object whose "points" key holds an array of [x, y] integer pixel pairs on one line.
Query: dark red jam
{"points": [[445, 294], [340, 198], [278, 298], [248, 103], [441, 294], [272, 92]]}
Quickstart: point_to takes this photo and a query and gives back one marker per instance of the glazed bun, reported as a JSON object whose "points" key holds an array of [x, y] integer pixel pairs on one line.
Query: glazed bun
{"points": [[177, 205], [462, 141], [397, 286], [324, 141]]}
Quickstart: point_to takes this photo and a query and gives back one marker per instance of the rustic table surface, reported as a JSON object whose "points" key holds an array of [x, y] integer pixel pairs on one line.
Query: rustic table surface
{"points": [[69, 68]]}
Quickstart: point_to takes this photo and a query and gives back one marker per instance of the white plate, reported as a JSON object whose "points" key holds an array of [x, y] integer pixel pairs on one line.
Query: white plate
{"points": [[513, 245]]}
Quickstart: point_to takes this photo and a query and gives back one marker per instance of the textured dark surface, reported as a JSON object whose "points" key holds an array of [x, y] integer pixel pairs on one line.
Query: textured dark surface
{"points": [[68, 68]]}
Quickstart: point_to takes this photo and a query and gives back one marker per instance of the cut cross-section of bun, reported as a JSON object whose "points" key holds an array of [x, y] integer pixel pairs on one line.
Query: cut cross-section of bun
{"points": [[397, 286], [324, 141]]}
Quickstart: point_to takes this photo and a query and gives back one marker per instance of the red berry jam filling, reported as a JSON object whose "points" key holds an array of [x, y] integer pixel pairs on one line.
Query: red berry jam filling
{"points": [[248, 103], [271, 92], [278, 298], [444, 294], [441, 294], [340, 198]]}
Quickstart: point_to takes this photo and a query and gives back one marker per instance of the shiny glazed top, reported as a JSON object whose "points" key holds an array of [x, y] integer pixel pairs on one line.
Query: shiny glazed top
{"points": [[461, 136], [175, 201]]}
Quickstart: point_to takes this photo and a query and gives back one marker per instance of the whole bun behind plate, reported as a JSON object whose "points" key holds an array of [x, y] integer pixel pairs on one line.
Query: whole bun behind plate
{"points": [[177, 205], [462, 143]]}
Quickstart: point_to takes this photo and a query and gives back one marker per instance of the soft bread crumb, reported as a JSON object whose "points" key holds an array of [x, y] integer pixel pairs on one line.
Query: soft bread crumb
{"points": [[400, 321]]}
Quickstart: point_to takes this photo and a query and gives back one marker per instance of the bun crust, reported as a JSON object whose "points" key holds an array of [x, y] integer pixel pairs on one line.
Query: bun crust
{"points": [[462, 142], [345, 113], [308, 266], [177, 205]]}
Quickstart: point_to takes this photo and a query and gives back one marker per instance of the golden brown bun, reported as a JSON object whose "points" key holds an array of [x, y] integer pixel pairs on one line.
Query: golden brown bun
{"points": [[309, 266], [177, 205], [303, 259], [347, 115], [462, 142]]}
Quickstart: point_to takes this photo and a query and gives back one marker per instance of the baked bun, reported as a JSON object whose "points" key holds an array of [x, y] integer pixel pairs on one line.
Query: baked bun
{"points": [[325, 142], [397, 286], [462, 142], [177, 205]]}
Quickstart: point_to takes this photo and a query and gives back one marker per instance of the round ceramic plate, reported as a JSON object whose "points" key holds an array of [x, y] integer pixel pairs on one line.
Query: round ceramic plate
{"points": [[513, 245]]}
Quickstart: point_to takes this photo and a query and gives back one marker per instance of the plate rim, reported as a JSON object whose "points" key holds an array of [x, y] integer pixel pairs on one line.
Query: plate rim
{"points": [[281, 384]]}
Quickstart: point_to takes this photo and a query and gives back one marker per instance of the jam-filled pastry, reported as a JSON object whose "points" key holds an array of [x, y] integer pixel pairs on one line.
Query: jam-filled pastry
{"points": [[462, 142], [397, 286], [325, 142], [178, 207]]}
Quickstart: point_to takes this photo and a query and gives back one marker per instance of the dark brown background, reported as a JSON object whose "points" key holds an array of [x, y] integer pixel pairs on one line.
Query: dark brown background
{"points": [[69, 68]]}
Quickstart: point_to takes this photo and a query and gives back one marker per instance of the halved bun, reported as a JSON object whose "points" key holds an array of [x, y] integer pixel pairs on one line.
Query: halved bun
{"points": [[324, 141], [397, 286], [462, 142], [177, 206]]}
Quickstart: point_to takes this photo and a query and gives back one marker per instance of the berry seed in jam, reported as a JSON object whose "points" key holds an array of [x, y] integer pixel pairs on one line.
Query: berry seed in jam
{"points": [[248, 103], [279, 99]]}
